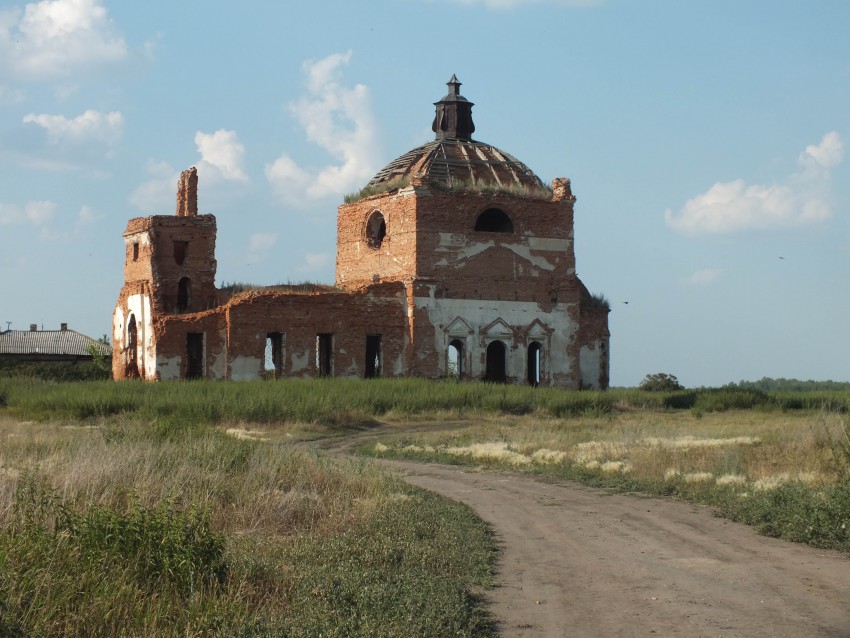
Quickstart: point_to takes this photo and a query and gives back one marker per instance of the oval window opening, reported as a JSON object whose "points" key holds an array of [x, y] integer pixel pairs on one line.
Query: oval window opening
{"points": [[376, 229], [494, 220]]}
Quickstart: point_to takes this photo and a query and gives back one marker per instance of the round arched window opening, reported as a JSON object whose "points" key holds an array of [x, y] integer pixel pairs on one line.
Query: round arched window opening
{"points": [[376, 229], [494, 220]]}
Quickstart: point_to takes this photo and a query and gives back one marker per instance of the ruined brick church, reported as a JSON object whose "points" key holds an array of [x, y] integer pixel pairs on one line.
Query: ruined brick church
{"points": [[455, 260]]}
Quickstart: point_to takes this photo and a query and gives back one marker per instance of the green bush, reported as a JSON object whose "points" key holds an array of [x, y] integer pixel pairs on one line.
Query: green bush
{"points": [[660, 382], [796, 512]]}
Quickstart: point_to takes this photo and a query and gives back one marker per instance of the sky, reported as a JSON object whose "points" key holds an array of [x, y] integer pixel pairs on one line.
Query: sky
{"points": [[705, 140]]}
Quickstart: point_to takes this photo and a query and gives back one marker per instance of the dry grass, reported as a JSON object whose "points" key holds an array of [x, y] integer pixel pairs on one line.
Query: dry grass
{"points": [[230, 530], [731, 448], [250, 488]]}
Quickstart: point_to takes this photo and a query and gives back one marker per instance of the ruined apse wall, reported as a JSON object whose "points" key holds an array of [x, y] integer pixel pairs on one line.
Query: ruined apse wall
{"points": [[348, 319], [234, 336]]}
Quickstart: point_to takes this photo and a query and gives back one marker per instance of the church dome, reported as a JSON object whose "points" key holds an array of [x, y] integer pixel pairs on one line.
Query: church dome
{"points": [[454, 158]]}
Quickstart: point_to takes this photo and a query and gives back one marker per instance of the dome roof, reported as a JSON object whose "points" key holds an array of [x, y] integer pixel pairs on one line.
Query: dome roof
{"points": [[454, 158]]}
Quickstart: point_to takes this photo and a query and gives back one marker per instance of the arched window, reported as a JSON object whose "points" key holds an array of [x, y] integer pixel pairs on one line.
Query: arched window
{"points": [[455, 360], [131, 365], [376, 229], [535, 361], [494, 220], [184, 291], [496, 363]]}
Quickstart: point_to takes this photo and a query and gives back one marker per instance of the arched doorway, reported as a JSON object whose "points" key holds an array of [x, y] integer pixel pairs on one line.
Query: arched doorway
{"points": [[454, 369], [131, 363], [496, 363], [535, 360]]}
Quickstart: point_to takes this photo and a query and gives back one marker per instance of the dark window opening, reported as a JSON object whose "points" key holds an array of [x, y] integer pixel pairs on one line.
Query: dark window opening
{"points": [[180, 250], [496, 360], [131, 363], [274, 355], [136, 251], [535, 358], [376, 229], [194, 355], [324, 355], [455, 364], [184, 289], [373, 356], [494, 220]]}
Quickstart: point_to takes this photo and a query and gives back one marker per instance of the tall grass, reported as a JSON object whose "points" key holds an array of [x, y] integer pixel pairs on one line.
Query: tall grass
{"points": [[325, 401], [120, 528], [345, 401]]}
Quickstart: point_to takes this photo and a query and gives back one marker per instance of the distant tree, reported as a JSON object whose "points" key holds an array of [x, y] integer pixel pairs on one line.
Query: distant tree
{"points": [[660, 382], [768, 384], [100, 358]]}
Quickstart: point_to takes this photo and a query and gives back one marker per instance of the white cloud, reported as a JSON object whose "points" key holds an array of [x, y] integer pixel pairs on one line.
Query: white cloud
{"points": [[221, 154], [158, 193], [56, 38], [801, 199], [259, 246], [221, 158], [315, 262], [11, 96], [827, 154], [703, 277], [340, 121], [87, 215], [37, 212], [90, 126]]}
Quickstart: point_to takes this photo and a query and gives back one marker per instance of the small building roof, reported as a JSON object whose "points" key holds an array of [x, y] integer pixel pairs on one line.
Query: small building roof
{"points": [[48, 342]]}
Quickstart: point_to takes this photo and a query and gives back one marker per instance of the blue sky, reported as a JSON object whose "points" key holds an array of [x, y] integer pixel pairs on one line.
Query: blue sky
{"points": [[705, 141]]}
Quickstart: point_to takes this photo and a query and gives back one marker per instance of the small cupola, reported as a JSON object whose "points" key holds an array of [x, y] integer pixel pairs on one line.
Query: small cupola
{"points": [[453, 119]]}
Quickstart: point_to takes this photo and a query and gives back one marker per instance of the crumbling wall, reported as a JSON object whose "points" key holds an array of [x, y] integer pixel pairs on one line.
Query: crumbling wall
{"points": [[299, 317], [358, 261], [187, 193], [173, 349], [234, 336]]}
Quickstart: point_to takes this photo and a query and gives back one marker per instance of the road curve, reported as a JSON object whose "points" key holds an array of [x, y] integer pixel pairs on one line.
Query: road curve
{"points": [[579, 561]]}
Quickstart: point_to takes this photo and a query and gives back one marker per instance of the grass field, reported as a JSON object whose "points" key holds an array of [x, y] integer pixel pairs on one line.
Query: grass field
{"points": [[187, 509], [116, 527]]}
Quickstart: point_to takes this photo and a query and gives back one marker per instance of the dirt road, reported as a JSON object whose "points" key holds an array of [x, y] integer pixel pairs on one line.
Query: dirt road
{"points": [[578, 561]]}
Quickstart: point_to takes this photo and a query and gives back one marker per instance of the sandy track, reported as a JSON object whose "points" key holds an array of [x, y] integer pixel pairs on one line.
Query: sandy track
{"points": [[578, 561]]}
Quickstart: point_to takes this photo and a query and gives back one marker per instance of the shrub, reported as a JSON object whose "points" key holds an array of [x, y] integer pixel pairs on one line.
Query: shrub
{"points": [[660, 382]]}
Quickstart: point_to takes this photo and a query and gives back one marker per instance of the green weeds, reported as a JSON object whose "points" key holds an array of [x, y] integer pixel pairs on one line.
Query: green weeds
{"points": [[178, 529]]}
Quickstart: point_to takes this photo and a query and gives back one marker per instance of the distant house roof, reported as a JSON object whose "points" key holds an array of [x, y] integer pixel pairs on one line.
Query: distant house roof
{"points": [[55, 343]]}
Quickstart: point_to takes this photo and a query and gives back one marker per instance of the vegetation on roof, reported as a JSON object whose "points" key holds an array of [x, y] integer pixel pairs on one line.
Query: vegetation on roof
{"points": [[235, 287], [454, 185], [378, 189], [488, 188], [598, 301]]}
